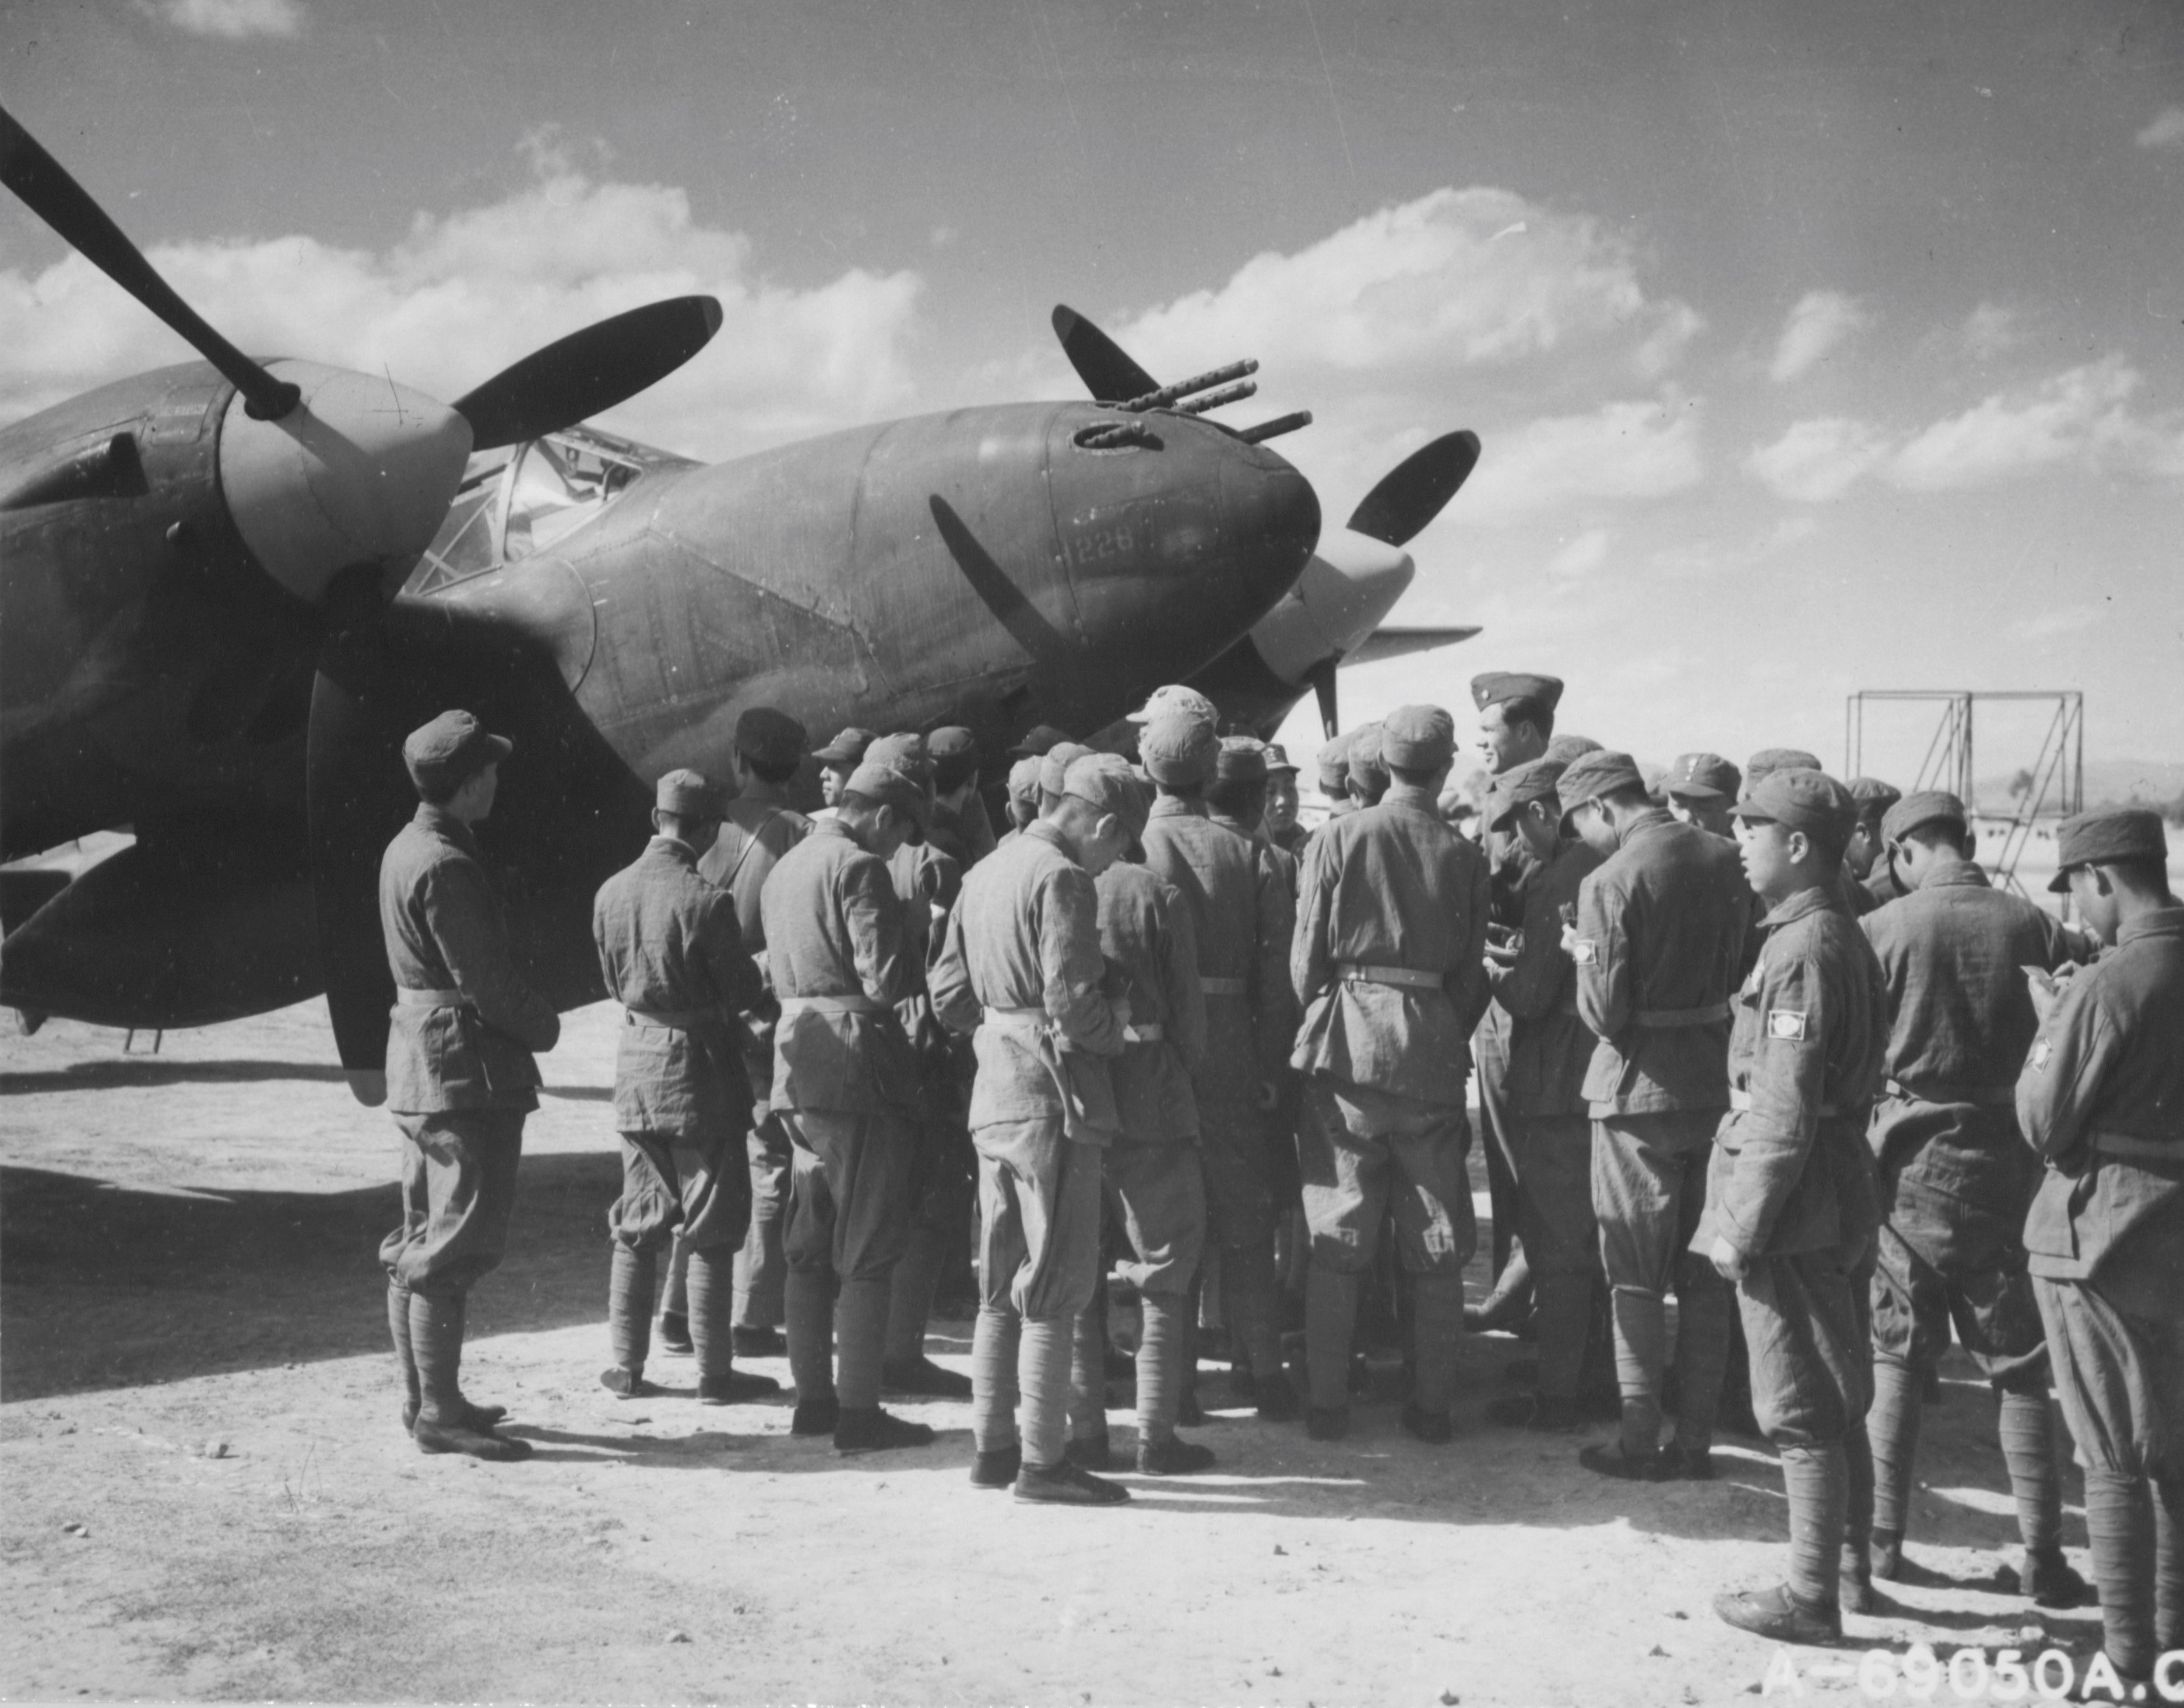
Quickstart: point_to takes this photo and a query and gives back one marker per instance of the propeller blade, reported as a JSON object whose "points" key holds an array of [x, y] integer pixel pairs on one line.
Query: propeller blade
{"points": [[65, 205], [1108, 374], [589, 371], [1389, 641], [1321, 676], [1412, 494]]}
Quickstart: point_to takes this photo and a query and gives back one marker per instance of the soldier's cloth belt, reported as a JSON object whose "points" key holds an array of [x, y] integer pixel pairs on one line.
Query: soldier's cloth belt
{"points": [[2131, 1147], [1409, 978], [1742, 1100], [858, 1002], [1150, 1032], [1017, 1019], [672, 1018], [1221, 987], [1668, 1019], [428, 998], [1986, 1096]]}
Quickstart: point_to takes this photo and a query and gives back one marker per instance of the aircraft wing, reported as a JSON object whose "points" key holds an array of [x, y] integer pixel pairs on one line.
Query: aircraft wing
{"points": [[1389, 643]]}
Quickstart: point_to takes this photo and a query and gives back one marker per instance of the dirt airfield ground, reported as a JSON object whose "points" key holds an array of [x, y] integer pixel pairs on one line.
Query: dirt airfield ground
{"points": [[207, 1493]]}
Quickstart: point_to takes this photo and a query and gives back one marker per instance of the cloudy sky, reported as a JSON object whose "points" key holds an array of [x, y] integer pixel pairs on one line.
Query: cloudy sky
{"points": [[1814, 347]]}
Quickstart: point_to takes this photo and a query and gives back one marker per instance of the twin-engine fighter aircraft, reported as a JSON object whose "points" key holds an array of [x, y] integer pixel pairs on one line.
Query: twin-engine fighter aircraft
{"points": [[204, 642]]}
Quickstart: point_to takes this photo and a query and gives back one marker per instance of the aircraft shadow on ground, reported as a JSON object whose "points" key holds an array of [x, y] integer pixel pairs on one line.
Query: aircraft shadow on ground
{"points": [[151, 1071]]}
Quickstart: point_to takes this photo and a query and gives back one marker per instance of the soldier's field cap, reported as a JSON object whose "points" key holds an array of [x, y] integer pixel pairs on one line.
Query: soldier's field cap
{"points": [[1054, 765], [1023, 780], [690, 794], [1037, 740], [955, 753], [1703, 776], [1333, 764], [1105, 780], [1926, 807], [771, 737], [1242, 760], [1178, 746], [1366, 761], [886, 785], [1495, 687], [443, 753], [905, 752], [1874, 796], [1776, 760], [1804, 797], [1518, 786], [1176, 697], [846, 748], [1590, 776], [1277, 759], [1564, 748], [2097, 838], [1418, 738]]}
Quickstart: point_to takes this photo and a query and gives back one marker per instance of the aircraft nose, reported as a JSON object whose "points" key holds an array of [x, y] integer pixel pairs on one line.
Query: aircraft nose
{"points": [[1272, 514], [363, 472]]}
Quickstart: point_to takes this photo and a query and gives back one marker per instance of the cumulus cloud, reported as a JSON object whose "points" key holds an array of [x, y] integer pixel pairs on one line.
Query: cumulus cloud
{"points": [[2081, 416], [458, 297], [228, 20], [1990, 328], [1457, 279], [1817, 460], [2166, 130], [1581, 556], [1623, 451], [1818, 323]]}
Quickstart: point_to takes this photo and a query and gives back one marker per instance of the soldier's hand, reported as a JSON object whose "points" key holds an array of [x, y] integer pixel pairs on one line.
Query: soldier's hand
{"points": [[1569, 940], [1728, 1262]]}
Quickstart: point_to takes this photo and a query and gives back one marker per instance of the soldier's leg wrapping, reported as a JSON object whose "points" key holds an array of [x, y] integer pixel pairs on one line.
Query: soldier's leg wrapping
{"points": [[1892, 1428], [1561, 1243], [1501, 1140], [1159, 1193], [1705, 1306], [406, 1362], [1910, 1327], [807, 1244], [2168, 1563], [939, 1187], [1235, 1146], [1088, 1373], [1636, 1187], [641, 1221], [1811, 1381], [762, 1268], [1061, 1212], [629, 1306], [435, 1339], [1344, 1177], [675, 1291], [996, 1337], [1436, 1232], [1997, 1319], [866, 1159], [715, 1184], [2118, 1363]]}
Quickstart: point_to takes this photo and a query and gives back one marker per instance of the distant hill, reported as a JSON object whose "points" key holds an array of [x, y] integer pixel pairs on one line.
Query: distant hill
{"points": [[2109, 782]]}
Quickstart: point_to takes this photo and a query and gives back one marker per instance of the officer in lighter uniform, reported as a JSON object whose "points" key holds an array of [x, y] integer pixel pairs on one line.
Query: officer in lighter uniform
{"points": [[1389, 961], [2102, 1099], [1956, 1178], [1153, 1179], [1550, 1053], [671, 956], [760, 827], [460, 1077], [1242, 917], [845, 1085], [1658, 939], [1791, 1199], [1022, 965]]}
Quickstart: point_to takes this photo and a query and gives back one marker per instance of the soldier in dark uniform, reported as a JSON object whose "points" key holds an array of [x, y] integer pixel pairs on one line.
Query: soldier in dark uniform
{"points": [[460, 1077], [760, 828], [1236, 799], [1658, 938], [1242, 917], [1792, 1202], [836, 760], [1368, 771], [671, 956], [958, 810], [1152, 1177], [846, 1087], [2102, 1099], [1023, 795], [1868, 843], [1701, 788], [1956, 1178], [1038, 742], [1282, 829], [1389, 961], [1332, 767], [1550, 1053], [1021, 966], [1516, 724]]}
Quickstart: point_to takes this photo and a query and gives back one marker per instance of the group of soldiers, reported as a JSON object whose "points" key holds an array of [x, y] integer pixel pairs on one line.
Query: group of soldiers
{"points": [[1757, 1038]]}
